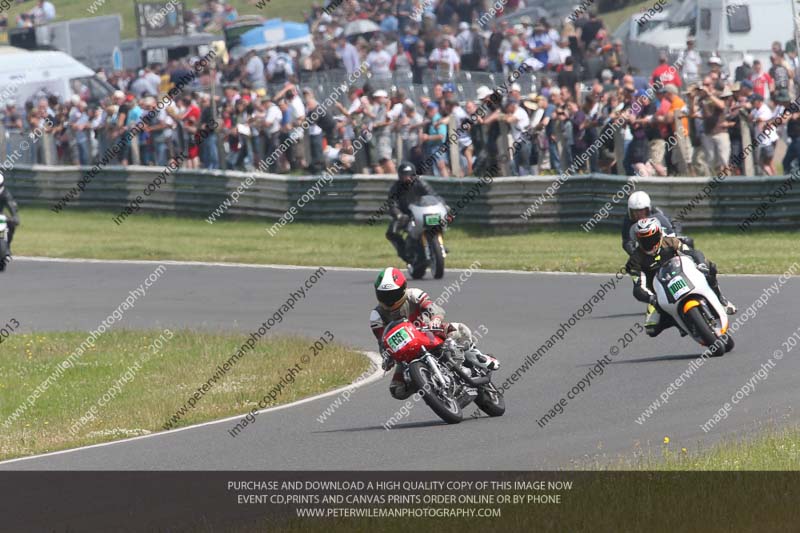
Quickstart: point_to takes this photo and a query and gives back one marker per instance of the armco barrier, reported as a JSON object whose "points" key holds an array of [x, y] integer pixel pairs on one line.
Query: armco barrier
{"points": [[358, 197]]}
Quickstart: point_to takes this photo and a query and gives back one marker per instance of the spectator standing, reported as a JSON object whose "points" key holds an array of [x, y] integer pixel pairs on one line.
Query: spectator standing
{"points": [[763, 84], [349, 55], [766, 137], [690, 62], [254, 70], [444, 59], [379, 61]]}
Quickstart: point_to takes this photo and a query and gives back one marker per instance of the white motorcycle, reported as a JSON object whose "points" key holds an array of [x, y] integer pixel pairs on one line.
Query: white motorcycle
{"points": [[425, 240], [687, 300]]}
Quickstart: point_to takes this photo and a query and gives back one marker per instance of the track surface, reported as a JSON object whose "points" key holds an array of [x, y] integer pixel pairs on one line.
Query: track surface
{"points": [[519, 310]]}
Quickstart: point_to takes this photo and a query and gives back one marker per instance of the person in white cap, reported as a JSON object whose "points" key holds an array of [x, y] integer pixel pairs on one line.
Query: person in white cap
{"points": [[715, 64], [7, 202], [469, 45]]}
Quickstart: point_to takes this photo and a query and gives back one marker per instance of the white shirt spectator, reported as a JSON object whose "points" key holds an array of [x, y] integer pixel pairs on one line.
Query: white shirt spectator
{"points": [[44, 12], [764, 113], [448, 56], [153, 81], [690, 69], [378, 61], [273, 118], [464, 138], [522, 123]]}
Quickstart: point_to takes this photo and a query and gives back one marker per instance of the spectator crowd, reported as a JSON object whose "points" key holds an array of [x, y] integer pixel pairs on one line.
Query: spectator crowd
{"points": [[589, 109]]}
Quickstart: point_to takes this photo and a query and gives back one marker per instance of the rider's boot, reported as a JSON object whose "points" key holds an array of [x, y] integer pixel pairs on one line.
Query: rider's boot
{"points": [[653, 323], [711, 276], [479, 359], [729, 307]]}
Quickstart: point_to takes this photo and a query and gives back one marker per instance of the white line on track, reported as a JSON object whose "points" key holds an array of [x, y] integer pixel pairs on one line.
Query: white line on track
{"points": [[377, 374], [332, 268]]}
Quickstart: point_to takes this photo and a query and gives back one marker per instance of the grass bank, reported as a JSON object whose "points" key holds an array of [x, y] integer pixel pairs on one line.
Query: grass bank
{"points": [[132, 382], [92, 234]]}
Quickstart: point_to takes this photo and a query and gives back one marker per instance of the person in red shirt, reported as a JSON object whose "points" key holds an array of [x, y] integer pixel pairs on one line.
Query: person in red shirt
{"points": [[665, 74], [190, 120], [763, 84]]}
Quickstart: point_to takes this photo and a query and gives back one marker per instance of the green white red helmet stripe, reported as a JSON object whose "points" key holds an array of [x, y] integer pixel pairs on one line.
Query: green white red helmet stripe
{"points": [[390, 279]]}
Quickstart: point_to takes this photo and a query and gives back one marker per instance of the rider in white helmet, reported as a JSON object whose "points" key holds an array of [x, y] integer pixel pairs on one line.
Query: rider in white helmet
{"points": [[640, 207]]}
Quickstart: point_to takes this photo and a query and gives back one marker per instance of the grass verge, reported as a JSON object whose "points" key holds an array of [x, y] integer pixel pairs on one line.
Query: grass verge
{"points": [[773, 448], [149, 383], [92, 234], [79, 9]]}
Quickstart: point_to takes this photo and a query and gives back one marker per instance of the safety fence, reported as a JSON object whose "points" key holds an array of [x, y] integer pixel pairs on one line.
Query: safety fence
{"points": [[352, 198]]}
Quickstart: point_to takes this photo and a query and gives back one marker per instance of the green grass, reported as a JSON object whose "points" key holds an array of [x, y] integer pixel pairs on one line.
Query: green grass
{"points": [[152, 384], [92, 234], [772, 448], [77, 9]]}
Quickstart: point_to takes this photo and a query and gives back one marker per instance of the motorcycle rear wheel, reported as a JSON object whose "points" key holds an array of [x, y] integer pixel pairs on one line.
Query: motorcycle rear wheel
{"points": [[449, 411]]}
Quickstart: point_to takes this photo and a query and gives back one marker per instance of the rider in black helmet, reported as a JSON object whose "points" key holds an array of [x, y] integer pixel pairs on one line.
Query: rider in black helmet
{"points": [[405, 190]]}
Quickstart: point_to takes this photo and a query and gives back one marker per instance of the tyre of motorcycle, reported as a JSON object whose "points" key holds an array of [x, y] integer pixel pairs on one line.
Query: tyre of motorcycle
{"points": [[436, 248], [419, 264], [450, 411], [4, 255], [491, 401], [697, 320]]}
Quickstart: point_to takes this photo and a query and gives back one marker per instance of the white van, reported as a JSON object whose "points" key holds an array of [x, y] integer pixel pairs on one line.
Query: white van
{"points": [[733, 28], [25, 75]]}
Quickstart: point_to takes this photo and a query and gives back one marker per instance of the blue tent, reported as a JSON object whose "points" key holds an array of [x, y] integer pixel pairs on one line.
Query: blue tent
{"points": [[273, 33]]}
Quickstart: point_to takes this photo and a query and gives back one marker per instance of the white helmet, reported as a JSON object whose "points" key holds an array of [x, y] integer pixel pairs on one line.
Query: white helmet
{"points": [[636, 201]]}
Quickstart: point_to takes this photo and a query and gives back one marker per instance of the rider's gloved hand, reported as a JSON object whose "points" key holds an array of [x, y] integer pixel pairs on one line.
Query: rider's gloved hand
{"points": [[702, 267], [402, 220], [14, 221], [653, 300]]}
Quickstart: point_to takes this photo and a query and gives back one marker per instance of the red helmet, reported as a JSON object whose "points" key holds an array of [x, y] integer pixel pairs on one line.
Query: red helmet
{"points": [[390, 288]]}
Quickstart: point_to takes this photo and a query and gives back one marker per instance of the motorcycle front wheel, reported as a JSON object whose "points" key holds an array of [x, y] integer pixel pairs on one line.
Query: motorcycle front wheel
{"points": [[440, 402], [437, 256], [419, 266], [3, 254], [490, 401], [704, 331]]}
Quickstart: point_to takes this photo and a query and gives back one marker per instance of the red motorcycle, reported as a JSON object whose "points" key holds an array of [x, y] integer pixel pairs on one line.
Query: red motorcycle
{"points": [[445, 385]]}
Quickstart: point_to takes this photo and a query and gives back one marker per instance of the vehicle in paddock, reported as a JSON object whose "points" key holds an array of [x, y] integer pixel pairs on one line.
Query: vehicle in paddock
{"points": [[445, 385], [425, 237], [688, 301]]}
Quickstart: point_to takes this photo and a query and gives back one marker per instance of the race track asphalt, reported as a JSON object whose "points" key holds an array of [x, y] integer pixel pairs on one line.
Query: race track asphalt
{"points": [[519, 310]]}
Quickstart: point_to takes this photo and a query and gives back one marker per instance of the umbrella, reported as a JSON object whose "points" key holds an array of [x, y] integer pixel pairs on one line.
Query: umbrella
{"points": [[360, 26], [271, 34]]}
